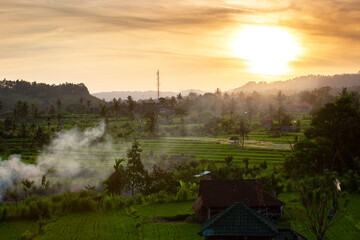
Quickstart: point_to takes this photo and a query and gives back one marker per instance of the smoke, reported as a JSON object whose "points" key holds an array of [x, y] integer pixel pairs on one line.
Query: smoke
{"points": [[74, 158], [13, 170]]}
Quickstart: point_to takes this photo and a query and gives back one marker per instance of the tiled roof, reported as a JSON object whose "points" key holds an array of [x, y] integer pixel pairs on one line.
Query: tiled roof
{"points": [[238, 220], [223, 193]]}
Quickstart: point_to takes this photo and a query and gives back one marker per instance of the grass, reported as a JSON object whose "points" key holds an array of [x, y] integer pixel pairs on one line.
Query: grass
{"points": [[112, 225], [142, 225], [164, 209], [100, 225], [12, 230], [166, 231]]}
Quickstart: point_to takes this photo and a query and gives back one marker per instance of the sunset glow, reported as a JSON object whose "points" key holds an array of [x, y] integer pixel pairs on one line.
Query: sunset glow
{"points": [[267, 49], [119, 45]]}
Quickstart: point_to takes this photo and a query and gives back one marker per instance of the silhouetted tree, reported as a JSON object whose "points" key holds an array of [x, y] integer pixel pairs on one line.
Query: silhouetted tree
{"points": [[151, 124], [323, 204], [115, 183], [243, 130], [135, 171], [59, 104]]}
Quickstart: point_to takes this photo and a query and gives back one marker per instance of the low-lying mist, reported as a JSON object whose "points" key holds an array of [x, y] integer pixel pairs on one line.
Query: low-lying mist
{"points": [[72, 160]]}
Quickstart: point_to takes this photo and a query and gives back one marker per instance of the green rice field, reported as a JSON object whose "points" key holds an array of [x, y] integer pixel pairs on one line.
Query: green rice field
{"points": [[141, 224], [100, 225]]}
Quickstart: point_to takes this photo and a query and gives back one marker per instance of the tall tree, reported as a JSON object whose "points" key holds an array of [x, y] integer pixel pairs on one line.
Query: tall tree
{"points": [[323, 204], [336, 126], [131, 107], [116, 107], [280, 98], [135, 171], [59, 104], [243, 130], [151, 124], [115, 183], [34, 111], [179, 98]]}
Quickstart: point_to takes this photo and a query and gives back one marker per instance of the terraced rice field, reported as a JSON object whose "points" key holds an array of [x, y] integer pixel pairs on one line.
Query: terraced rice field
{"points": [[213, 150]]}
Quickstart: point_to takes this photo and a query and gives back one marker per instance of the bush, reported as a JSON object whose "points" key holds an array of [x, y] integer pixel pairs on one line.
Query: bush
{"points": [[27, 235], [87, 204], [118, 202], [129, 201], [183, 194], [34, 211], [107, 203], [3, 213], [289, 186], [351, 181], [139, 199]]}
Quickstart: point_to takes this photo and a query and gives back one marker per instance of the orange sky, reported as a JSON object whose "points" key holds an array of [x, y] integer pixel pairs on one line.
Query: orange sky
{"points": [[115, 45]]}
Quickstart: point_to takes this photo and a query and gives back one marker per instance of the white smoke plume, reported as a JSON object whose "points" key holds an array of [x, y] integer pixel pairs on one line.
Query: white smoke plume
{"points": [[13, 170], [74, 157]]}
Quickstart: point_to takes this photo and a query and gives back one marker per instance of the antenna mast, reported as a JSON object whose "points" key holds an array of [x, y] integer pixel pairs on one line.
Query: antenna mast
{"points": [[158, 84]]}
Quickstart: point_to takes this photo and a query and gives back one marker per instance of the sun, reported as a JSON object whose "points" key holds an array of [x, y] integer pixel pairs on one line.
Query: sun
{"points": [[268, 50]]}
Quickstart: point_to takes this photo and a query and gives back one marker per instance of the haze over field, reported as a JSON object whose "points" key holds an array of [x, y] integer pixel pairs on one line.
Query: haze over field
{"points": [[119, 45], [69, 157]]}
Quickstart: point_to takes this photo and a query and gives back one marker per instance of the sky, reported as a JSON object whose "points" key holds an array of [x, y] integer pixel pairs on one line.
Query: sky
{"points": [[117, 45]]}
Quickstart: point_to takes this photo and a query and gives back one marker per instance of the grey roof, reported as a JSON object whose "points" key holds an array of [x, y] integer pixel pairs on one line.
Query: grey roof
{"points": [[239, 220]]}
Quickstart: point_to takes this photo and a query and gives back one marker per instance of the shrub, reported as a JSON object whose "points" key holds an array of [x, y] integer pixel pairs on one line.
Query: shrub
{"points": [[289, 186], [107, 203], [27, 235], [139, 199], [118, 202], [129, 201], [34, 210], [183, 194], [57, 198], [87, 204], [3, 213]]}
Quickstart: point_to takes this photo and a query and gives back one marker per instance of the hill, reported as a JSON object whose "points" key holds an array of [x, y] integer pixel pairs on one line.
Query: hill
{"points": [[137, 95], [73, 97], [301, 83]]}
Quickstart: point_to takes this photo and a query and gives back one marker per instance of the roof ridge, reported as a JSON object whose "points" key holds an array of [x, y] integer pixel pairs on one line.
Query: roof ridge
{"points": [[263, 219], [213, 219], [271, 196]]}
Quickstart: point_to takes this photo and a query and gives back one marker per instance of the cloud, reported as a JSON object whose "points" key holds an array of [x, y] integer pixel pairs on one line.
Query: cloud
{"points": [[52, 35]]}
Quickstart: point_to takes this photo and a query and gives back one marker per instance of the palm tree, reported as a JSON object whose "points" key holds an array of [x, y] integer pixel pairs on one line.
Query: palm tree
{"points": [[59, 104], [179, 97], [116, 109], [243, 130], [131, 107]]}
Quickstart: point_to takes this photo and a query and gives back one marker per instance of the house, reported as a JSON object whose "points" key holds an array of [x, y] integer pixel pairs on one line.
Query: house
{"points": [[234, 140], [217, 195], [241, 222]]}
